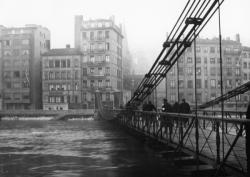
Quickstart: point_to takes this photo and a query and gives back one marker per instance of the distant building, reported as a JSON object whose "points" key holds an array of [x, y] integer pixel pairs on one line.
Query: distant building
{"points": [[208, 72], [21, 50], [62, 80], [245, 66], [100, 41]]}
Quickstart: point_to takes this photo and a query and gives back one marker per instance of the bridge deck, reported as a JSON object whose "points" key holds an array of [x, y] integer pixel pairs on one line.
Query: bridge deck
{"points": [[220, 144]]}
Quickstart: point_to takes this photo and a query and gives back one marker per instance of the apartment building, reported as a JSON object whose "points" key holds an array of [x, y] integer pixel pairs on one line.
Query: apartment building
{"points": [[100, 40], [208, 72], [21, 50], [62, 86]]}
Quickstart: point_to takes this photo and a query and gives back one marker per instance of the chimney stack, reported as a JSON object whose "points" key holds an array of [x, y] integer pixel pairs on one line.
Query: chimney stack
{"points": [[68, 46], [237, 37]]}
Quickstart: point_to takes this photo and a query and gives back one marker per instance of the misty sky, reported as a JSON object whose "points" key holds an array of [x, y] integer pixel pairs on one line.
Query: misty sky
{"points": [[146, 21]]}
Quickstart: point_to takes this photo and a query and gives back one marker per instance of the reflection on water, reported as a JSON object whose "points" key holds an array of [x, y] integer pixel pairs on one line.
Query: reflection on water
{"points": [[75, 148]]}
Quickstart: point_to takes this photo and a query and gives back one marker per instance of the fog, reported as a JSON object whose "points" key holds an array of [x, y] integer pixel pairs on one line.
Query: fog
{"points": [[146, 22]]}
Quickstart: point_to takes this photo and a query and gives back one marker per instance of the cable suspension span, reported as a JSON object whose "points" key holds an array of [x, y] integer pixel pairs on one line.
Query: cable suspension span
{"points": [[193, 18], [237, 91]]}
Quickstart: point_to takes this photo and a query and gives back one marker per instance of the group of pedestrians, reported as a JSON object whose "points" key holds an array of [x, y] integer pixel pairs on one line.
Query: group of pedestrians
{"points": [[148, 106], [183, 107]]}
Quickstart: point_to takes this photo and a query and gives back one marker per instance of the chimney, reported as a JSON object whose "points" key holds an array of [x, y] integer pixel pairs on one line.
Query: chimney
{"points": [[237, 37], [68, 46]]}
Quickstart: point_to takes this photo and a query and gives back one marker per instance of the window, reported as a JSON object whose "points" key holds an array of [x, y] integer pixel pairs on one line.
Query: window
{"points": [[212, 83], [92, 59], [16, 74], [92, 83], [107, 71], [45, 75], [212, 60], [198, 83], [245, 65], [106, 34], [181, 71], [198, 60], [99, 35], [198, 71], [84, 96], [205, 60], [7, 43], [63, 64], [100, 71], [64, 87], [7, 53], [107, 83], [206, 84], [205, 71], [17, 85], [57, 87], [172, 97], [68, 75], [68, 63], [229, 71], [51, 63], [92, 70], [51, 75], [190, 84], [107, 96], [181, 83], [212, 50], [229, 60], [84, 35], [84, 72], [107, 46], [245, 76], [212, 71], [63, 75], [237, 82], [91, 35], [76, 74], [198, 49], [76, 62], [8, 85], [189, 70], [237, 71], [92, 47], [107, 58], [172, 84], [189, 60], [57, 63], [84, 83], [57, 75], [99, 83], [76, 86], [229, 83]]}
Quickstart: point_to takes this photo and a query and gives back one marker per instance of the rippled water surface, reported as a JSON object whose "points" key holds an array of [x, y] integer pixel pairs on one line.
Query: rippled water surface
{"points": [[75, 148]]}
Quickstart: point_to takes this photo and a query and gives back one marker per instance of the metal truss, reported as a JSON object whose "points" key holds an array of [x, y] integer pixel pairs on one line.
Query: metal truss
{"points": [[190, 23]]}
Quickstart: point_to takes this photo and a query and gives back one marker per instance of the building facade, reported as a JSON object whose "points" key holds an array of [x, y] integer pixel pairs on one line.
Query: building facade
{"points": [[21, 50], [62, 86], [208, 72], [100, 41]]}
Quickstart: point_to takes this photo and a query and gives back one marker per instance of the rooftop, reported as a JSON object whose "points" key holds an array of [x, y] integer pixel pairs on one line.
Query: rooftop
{"points": [[63, 52]]}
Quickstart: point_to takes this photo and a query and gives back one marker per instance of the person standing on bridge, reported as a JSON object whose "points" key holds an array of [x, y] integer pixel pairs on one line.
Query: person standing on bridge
{"points": [[176, 107], [150, 107], [184, 107], [166, 107]]}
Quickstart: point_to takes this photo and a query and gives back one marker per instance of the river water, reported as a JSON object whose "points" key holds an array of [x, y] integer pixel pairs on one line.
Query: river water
{"points": [[74, 148]]}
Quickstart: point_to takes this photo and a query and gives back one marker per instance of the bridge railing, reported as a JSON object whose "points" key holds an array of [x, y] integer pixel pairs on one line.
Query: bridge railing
{"points": [[222, 143], [217, 113]]}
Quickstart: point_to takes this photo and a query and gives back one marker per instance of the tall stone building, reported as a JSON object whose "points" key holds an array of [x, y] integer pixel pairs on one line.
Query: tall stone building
{"points": [[21, 50], [208, 72], [62, 86], [100, 40]]}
